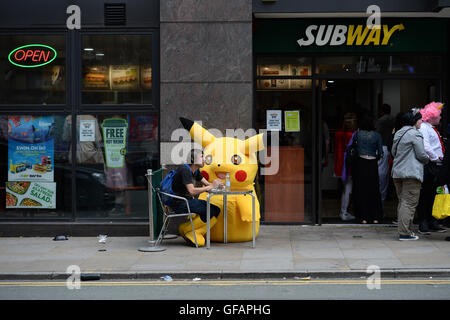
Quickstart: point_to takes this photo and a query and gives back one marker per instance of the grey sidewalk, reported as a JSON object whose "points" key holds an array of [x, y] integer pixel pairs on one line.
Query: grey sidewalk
{"points": [[281, 251]]}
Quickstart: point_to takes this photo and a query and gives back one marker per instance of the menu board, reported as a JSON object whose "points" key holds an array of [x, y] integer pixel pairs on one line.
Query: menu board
{"points": [[117, 77], [284, 70], [274, 70], [125, 77], [96, 77]]}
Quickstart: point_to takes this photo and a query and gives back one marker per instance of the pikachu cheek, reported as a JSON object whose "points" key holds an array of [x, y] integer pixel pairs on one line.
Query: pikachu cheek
{"points": [[241, 175], [205, 174]]}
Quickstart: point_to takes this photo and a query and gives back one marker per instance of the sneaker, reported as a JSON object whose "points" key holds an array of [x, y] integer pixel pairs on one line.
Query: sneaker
{"points": [[424, 232], [345, 216], [438, 229], [412, 236]]}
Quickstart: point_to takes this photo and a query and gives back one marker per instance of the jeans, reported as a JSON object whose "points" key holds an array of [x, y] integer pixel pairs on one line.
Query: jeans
{"points": [[383, 173], [199, 207]]}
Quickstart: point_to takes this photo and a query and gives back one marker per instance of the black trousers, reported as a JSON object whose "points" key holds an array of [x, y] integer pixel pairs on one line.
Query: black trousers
{"points": [[366, 190], [427, 195], [199, 207]]}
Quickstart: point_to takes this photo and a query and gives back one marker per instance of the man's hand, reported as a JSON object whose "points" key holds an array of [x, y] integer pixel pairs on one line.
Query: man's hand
{"points": [[216, 183]]}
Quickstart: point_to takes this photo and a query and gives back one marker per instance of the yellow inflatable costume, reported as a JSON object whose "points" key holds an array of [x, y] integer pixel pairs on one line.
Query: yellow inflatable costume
{"points": [[238, 158]]}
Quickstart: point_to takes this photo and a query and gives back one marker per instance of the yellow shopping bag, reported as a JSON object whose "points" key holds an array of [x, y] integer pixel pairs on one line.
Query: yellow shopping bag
{"points": [[441, 206]]}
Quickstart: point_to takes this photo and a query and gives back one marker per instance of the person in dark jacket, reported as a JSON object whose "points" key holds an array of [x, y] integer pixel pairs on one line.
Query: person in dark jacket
{"points": [[366, 186]]}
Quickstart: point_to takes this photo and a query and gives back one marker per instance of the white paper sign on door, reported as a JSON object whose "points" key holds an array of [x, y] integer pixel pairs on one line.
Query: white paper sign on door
{"points": [[87, 130], [274, 121]]}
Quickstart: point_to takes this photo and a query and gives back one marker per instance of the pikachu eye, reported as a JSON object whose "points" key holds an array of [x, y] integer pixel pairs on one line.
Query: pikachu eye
{"points": [[236, 159], [208, 159]]}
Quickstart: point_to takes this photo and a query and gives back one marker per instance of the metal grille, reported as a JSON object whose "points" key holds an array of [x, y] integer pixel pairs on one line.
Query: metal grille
{"points": [[115, 14]]}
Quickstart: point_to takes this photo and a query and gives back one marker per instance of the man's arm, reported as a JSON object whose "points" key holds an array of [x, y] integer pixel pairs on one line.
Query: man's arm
{"points": [[194, 191], [205, 182]]}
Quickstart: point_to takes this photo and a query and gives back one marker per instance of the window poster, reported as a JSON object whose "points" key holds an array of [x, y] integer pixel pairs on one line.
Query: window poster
{"points": [[25, 194], [96, 77], [292, 121], [30, 148], [115, 139], [143, 128], [124, 77], [87, 130], [146, 77], [274, 120]]}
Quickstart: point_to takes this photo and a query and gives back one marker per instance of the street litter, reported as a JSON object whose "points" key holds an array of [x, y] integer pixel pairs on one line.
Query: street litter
{"points": [[102, 238], [89, 276], [167, 278], [60, 238], [304, 278]]}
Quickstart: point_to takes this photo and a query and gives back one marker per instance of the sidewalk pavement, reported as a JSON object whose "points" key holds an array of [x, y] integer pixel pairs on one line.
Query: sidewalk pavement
{"points": [[281, 252]]}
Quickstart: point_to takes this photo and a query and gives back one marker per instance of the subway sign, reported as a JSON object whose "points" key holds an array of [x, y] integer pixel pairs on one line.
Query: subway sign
{"points": [[32, 55], [352, 35]]}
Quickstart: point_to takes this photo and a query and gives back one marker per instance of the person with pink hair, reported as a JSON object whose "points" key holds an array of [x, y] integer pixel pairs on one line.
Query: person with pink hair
{"points": [[434, 147]]}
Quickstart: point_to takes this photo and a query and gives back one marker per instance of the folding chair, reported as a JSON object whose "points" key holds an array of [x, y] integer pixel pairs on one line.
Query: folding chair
{"points": [[169, 213]]}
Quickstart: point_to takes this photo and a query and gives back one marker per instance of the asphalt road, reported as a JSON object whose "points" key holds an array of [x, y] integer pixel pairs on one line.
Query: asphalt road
{"points": [[229, 290]]}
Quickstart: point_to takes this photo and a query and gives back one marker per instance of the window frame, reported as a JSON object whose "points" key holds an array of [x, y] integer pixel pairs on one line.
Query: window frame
{"points": [[34, 107], [100, 108]]}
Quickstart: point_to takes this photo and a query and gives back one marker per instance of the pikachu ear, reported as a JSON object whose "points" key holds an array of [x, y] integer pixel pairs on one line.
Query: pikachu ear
{"points": [[254, 144], [198, 133]]}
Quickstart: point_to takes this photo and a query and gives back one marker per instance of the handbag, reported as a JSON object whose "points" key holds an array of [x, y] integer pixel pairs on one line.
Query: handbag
{"points": [[352, 152], [441, 206]]}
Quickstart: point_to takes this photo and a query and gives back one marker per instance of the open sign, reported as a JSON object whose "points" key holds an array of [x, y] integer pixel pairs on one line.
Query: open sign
{"points": [[32, 55]]}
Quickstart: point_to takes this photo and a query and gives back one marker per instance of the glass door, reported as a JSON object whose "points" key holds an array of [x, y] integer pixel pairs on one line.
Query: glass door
{"points": [[284, 106]]}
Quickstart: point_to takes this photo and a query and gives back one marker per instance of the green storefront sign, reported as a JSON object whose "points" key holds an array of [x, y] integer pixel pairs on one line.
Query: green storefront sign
{"points": [[350, 36]]}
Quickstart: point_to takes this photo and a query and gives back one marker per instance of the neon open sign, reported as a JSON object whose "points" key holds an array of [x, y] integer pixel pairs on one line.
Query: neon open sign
{"points": [[32, 55]]}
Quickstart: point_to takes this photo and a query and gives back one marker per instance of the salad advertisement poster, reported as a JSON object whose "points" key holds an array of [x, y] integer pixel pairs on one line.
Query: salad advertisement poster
{"points": [[25, 194], [30, 162]]}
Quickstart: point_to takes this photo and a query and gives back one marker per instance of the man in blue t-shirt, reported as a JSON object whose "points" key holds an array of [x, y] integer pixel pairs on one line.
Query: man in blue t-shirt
{"points": [[183, 185]]}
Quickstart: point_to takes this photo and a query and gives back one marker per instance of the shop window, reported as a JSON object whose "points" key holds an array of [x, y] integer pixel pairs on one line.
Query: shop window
{"points": [[394, 64], [113, 154], [117, 69], [35, 171], [283, 67], [32, 69]]}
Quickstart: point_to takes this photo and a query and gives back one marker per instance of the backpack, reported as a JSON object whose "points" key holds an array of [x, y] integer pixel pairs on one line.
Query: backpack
{"points": [[166, 186]]}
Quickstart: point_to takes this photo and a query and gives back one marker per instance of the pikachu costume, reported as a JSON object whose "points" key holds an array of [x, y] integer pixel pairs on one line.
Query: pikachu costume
{"points": [[238, 158]]}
